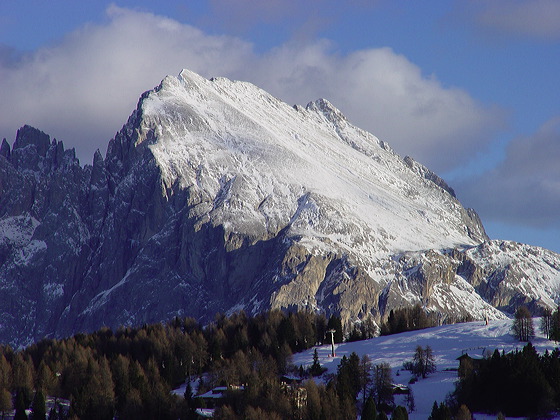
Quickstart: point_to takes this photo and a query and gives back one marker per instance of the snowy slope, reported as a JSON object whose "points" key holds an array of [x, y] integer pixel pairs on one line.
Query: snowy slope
{"points": [[262, 165], [448, 342]]}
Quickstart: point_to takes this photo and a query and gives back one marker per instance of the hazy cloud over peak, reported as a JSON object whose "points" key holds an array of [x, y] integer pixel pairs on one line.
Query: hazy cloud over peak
{"points": [[525, 188]]}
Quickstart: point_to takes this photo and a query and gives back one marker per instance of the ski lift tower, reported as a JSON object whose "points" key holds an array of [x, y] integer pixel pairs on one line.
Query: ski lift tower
{"points": [[332, 340]]}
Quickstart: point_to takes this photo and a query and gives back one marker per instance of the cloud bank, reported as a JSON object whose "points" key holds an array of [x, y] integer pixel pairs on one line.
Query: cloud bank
{"points": [[82, 89], [525, 188]]}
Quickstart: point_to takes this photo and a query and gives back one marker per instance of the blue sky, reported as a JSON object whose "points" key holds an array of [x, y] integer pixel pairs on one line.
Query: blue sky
{"points": [[468, 88]]}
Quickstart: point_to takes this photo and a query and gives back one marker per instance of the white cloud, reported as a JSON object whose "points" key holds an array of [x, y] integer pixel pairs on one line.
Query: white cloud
{"points": [[525, 188], [82, 90], [386, 94]]}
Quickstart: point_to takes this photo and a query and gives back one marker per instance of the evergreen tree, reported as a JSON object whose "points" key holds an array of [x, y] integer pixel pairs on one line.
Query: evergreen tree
{"points": [[121, 379], [5, 401], [38, 406], [434, 415], [399, 413], [313, 400], [133, 406], [20, 406], [348, 377], [370, 410], [46, 379], [430, 361], [335, 323], [463, 413], [406, 319], [188, 411], [441, 412], [22, 379], [5, 373], [316, 368]]}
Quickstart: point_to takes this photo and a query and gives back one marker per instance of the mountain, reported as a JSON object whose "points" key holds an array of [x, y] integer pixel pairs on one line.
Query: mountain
{"points": [[216, 196]]}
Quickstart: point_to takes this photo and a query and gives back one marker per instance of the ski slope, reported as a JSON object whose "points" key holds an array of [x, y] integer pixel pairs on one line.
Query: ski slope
{"points": [[448, 343]]}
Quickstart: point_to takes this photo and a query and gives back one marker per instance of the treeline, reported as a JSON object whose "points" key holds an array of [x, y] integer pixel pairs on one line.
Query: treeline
{"points": [[415, 318], [408, 319], [519, 384], [550, 324], [130, 372]]}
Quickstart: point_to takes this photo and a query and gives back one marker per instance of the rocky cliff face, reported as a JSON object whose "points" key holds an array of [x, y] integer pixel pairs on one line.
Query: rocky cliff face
{"points": [[215, 196]]}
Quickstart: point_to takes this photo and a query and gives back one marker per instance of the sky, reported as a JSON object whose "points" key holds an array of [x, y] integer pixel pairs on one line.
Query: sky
{"points": [[471, 89]]}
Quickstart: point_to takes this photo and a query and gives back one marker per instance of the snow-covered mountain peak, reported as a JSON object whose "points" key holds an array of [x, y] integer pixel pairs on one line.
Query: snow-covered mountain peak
{"points": [[253, 160], [328, 110]]}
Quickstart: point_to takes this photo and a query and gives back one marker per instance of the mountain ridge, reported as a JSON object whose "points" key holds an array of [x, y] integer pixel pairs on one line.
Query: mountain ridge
{"points": [[216, 196]]}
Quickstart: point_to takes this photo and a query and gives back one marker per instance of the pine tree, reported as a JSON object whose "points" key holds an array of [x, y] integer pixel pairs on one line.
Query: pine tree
{"points": [[5, 373], [316, 368], [463, 413], [370, 410], [20, 406], [188, 411], [22, 379], [46, 379], [434, 415], [133, 406], [441, 412], [399, 413], [5, 401], [38, 406], [429, 363], [335, 323], [121, 379], [313, 400]]}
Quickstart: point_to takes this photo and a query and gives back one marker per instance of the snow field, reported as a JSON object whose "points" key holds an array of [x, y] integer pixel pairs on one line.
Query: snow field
{"points": [[448, 342]]}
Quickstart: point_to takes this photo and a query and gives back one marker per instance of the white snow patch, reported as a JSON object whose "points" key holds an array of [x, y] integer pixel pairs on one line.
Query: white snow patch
{"points": [[18, 230], [25, 254]]}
